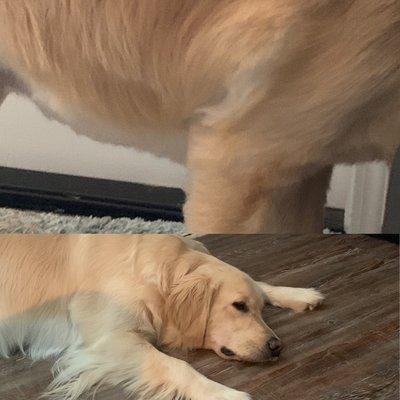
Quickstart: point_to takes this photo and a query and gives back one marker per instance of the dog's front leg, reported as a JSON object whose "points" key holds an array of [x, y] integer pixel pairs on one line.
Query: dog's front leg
{"points": [[111, 350], [297, 299], [232, 191], [128, 359]]}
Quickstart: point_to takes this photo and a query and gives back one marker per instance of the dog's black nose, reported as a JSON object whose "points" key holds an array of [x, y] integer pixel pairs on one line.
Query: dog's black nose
{"points": [[275, 346]]}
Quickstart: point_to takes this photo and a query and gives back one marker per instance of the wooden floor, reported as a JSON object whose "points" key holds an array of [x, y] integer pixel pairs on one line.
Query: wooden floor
{"points": [[347, 349]]}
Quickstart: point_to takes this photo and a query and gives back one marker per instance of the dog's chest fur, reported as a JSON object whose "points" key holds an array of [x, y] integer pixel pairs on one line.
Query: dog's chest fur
{"points": [[39, 333]]}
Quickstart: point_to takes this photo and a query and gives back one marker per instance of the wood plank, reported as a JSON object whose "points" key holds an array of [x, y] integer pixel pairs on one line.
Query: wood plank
{"points": [[347, 349]]}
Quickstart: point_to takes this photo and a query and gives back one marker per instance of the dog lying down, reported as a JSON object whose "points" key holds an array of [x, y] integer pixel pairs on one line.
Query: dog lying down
{"points": [[105, 304]]}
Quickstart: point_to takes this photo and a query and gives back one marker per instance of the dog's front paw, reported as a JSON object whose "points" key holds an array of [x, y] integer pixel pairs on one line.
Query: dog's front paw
{"points": [[305, 299]]}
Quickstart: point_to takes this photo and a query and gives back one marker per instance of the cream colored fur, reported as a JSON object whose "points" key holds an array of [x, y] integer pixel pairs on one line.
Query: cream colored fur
{"points": [[259, 98], [105, 306]]}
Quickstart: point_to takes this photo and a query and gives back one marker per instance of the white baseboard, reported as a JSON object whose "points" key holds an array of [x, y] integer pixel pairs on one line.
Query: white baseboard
{"points": [[365, 205]]}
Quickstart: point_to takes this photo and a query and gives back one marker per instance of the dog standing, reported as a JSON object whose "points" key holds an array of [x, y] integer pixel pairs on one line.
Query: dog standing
{"points": [[260, 98], [105, 304]]}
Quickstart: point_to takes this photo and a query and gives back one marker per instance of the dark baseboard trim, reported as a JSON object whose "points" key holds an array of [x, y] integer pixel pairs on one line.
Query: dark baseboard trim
{"points": [[66, 194], [76, 195], [391, 222]]}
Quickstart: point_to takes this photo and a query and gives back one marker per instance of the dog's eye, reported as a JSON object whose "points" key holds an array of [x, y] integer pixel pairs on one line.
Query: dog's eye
{"points": [[241, 306]]}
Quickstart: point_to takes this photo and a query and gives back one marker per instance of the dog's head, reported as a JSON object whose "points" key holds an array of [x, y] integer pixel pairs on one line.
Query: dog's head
{"points": [[218, 307]]}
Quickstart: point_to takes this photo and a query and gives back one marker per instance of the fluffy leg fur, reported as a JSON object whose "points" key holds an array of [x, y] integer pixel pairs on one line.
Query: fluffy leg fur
{"points": [[297, 299], [298, 208], [241, 196], [126, 358]]}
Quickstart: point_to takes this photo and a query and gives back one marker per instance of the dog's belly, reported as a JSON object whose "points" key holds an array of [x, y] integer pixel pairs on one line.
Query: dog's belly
{"points": [[275, 92], [170, 142]]}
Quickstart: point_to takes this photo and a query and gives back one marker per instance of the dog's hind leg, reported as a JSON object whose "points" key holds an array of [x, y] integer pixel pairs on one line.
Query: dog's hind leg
{"points": [[297, 299]]}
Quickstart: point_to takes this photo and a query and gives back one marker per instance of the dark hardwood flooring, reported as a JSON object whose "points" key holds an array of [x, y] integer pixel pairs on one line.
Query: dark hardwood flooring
{"points": [[346, 349]]}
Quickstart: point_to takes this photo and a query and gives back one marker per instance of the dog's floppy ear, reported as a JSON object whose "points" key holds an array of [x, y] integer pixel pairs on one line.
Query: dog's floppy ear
{"points": [[188, 307]]}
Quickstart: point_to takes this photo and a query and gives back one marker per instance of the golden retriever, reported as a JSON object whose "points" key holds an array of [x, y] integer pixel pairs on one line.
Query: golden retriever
{"points": [[105, 304], [260, 98]]}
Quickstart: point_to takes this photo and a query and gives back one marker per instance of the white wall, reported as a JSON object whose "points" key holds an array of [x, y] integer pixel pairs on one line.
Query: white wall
{"points": [[340, 186], [29, 140], [366, 199], [361, 191]]}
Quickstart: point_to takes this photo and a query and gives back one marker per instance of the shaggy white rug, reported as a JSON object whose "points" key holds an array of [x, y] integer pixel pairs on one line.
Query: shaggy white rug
{"points": [[20, 221]]}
